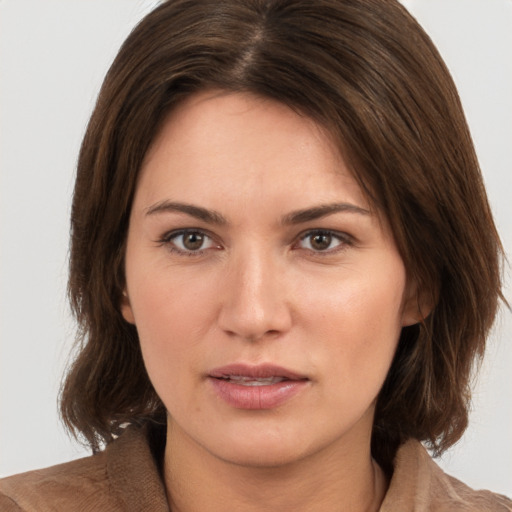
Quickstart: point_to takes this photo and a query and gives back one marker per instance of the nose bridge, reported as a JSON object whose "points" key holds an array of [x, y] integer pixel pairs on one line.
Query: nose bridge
{"points": [[254, 300]]}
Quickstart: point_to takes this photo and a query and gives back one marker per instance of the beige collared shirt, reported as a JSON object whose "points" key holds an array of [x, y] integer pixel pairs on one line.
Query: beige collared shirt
{"points": [[125, 478]]}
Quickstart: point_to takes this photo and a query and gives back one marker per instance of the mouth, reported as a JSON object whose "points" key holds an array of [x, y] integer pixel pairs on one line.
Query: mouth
{"points": [[255, 375], [244, 380], [256, 387]]}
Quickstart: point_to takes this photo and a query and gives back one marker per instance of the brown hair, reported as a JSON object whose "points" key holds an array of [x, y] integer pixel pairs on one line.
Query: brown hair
{"points": [[366, 71]]}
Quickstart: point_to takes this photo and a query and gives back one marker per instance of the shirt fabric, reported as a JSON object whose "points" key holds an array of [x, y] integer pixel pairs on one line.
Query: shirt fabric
{"points": [[125, 477]]}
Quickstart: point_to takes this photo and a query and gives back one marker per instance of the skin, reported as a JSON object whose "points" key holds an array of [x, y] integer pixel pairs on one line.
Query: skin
{"points": [[327, 305]]}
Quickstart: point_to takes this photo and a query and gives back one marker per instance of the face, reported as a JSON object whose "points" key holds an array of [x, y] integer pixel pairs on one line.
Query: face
{"points": [[267, 296]]}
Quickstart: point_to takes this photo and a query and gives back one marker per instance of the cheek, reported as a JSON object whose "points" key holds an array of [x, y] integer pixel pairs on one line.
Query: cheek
{"points": [[169, 335], [366, 302], [173, 314], [357, 321], [168, 303]]}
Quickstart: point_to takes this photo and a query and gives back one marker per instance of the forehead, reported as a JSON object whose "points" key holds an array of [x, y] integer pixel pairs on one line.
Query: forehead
{"points": [[225, 140], [209, 117]]}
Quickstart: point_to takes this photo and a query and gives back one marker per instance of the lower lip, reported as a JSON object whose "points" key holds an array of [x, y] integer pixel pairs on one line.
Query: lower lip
{"points": [[257, 397]]}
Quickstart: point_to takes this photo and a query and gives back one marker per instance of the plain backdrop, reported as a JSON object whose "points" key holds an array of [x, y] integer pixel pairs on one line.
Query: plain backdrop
{"points": [[53, 56]]}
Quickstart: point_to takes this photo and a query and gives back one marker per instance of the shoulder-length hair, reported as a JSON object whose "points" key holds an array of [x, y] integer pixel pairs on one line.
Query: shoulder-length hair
{"points": [[368, 73]]}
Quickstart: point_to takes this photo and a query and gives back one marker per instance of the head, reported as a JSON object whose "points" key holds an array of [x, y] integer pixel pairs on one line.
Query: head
{"points": [[366, 73]]}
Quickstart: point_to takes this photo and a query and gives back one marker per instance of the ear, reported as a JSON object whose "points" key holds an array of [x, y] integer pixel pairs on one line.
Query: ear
{"points": [[418, 304], [126, 308]]}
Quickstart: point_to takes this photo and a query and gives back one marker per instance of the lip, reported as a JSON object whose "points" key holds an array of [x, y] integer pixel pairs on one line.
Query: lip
{"points": [[253, 395]]}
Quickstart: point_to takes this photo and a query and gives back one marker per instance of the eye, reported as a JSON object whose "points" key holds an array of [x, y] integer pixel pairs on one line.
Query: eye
{"points": [[323, 241], [188, 241]]}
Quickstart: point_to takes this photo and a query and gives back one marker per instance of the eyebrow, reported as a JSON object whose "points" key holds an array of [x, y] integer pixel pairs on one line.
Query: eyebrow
{"points": [[317, 212], [209, 216], [296, 217]]}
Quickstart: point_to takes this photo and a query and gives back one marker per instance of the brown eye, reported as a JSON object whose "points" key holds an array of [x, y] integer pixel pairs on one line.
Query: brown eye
{"points": [[189, 242], [324, 241], [193, 241], [321, 241]]}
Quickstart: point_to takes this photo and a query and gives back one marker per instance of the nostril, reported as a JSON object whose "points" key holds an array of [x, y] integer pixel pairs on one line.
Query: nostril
{"points": [[250, 317]]}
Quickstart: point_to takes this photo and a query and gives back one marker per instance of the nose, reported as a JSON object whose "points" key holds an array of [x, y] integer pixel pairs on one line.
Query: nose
{"points": [[254, 303]]}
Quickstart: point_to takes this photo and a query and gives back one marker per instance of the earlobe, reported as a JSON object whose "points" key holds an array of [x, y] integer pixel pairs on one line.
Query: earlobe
{"points": [[126, 308], [412, 316], [417, 307]]}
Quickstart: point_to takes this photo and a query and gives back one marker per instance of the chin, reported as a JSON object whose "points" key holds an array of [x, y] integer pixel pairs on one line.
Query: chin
{"points": [[267, 456], [261, 447]]}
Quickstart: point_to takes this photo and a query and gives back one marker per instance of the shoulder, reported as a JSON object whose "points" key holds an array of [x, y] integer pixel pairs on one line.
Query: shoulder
{"points": [[80, 483], [418, 483], [123, 477]]}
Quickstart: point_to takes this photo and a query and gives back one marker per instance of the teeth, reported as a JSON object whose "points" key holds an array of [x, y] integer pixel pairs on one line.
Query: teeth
{"points": [[254, 381]]}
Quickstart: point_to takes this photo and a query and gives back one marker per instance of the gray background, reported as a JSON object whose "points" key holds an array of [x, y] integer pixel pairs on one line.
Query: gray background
{"points": [[53, 56]]}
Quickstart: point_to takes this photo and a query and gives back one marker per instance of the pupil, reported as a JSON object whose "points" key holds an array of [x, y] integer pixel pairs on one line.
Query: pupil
{"points": [[321, 241], [193, 241]]}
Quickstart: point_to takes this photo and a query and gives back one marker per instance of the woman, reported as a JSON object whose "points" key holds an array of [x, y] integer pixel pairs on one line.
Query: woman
{"points": [[283, 265]]}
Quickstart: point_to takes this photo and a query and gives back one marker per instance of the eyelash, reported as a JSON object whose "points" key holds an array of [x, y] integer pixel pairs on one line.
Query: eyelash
{"points": [[167, 240], [344, 241]]}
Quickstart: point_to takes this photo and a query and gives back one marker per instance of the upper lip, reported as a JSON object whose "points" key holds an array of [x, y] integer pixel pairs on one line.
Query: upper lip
{"points": [[260, 371]]}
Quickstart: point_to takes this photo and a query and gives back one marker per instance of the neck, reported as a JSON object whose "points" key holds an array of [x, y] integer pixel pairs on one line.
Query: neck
{"points": [[335, 480]]}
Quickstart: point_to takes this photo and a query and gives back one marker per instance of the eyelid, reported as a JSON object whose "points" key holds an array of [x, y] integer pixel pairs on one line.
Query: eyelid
{"points": [[345, 240], [167, 238]]}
